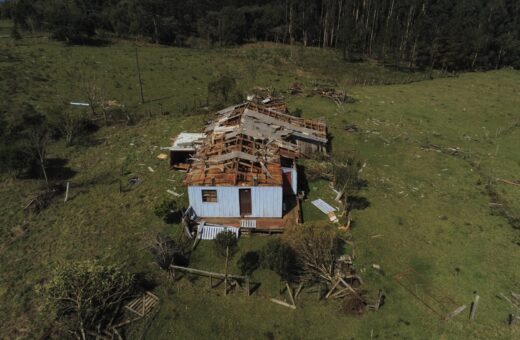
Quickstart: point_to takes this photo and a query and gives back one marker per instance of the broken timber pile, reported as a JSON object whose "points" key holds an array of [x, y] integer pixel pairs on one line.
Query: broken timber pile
{"points": [[338, 97]]}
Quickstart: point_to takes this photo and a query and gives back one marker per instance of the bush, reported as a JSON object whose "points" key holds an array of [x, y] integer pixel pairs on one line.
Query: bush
{"points": [[87, 296], [225, 240], [278, 257], [248, 262], [168, 210]]}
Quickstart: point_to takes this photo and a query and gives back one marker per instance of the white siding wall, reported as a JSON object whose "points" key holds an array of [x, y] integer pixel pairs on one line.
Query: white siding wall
{"points": [[266, 201], [294, 183]]}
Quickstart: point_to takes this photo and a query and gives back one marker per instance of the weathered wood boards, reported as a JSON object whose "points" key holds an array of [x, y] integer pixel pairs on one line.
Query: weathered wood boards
{"points": [[143, 304]]}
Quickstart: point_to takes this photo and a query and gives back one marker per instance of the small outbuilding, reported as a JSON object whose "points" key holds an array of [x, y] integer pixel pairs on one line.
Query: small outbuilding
{"points": [[183, 148]]}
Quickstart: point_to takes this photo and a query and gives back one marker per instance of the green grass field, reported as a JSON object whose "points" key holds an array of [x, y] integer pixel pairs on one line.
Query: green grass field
{"points": [[430, 211]]}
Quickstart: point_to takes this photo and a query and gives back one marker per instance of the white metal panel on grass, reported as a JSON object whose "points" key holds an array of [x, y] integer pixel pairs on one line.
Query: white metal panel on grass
{"points": [[323, 206]]}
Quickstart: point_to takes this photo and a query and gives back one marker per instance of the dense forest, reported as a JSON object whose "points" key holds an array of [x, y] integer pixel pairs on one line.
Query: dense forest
{"points": [[415, 34]]}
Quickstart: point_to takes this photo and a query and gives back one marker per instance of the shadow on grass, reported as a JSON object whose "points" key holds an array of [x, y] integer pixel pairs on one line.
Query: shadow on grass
{"points": [[56, 170], [144, 282], [358, 203]]}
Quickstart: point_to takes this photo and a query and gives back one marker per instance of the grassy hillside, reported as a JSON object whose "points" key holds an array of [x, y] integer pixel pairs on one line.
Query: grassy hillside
{"points": [[429, 205]]}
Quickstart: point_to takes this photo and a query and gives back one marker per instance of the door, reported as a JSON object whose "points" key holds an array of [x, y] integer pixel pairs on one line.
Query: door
{"points": [[287, 183], [245, 202]]}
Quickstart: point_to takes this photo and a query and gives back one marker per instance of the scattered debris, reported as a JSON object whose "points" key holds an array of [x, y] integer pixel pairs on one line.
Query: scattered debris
{"points": [[282, 303], [296, 89], [171, 192], [79, 104], [162, 156], [351, 128], [338, 97], [150, 169], [134, 181], [41, 199]]}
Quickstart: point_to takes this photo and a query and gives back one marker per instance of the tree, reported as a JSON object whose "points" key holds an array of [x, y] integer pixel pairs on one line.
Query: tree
{"points": [[15, 33], [165, 250], [345, 174], [87, 296], [226, 243], [35, 130], [71, 122], [316, 248], [220, 90]]}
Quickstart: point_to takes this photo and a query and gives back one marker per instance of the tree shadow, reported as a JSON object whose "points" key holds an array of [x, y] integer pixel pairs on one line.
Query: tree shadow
{"points": [[58, 171], [88, 41], [254, 287], [143, 282], [330, 137], [55, 168], [358, 203]]}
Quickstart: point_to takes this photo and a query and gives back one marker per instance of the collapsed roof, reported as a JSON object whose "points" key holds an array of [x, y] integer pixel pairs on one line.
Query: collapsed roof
{"points": [[245, 143]]}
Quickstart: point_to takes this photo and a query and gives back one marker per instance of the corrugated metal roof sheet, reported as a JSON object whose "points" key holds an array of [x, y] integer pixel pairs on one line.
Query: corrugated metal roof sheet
{"points": [[323, 206]]}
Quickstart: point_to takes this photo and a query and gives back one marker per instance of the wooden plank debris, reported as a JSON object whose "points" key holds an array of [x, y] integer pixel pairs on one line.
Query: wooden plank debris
{"points": [[515, 183], [289, 291], [143, 304], [176, 194], [474, 306], [282, 303], [455, 312]]}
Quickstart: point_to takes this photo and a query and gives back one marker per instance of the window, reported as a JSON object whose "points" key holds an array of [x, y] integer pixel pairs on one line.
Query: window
{"points": [[209, 195]]}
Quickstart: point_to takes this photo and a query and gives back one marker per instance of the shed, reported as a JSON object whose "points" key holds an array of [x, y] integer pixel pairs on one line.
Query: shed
{"points": [[183, 148]]}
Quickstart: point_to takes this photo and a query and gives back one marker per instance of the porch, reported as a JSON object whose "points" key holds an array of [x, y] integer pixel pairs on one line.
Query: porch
{"points": [[262, 224]]}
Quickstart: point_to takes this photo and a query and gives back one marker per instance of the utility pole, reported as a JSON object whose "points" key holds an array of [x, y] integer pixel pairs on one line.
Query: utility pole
{"points": [[139, 74]]}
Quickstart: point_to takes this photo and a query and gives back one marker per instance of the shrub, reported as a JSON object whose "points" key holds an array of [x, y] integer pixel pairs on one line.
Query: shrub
{"points": [[168, 210], [225, 240]]}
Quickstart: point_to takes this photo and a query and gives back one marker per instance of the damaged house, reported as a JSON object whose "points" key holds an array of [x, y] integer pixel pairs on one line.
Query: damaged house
{"points": [[245, 167]]}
